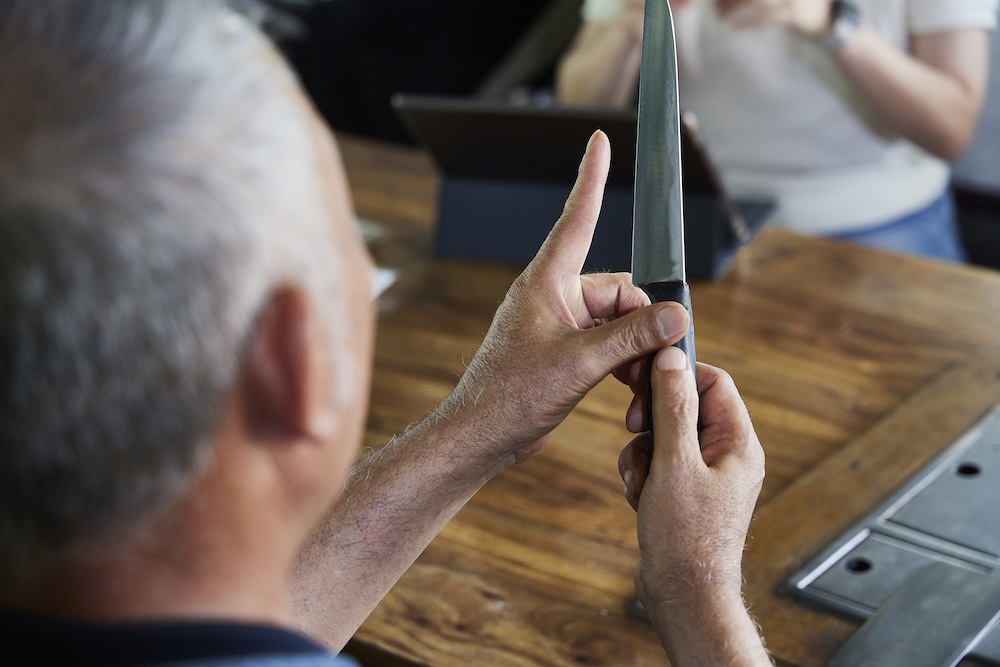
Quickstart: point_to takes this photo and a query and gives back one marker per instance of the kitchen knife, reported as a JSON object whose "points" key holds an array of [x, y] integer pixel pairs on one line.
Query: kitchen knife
{"points": [[658, 216]]}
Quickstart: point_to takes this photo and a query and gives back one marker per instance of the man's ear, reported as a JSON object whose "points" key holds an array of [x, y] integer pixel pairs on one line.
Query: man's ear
{"points": [[286, 372]]}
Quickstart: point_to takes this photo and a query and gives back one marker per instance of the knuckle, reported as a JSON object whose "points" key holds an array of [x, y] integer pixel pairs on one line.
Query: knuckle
{"points": [[725, 380], [631, 341]]}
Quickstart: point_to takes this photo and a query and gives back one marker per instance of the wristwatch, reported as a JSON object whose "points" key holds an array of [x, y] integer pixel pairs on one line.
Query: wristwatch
{"points": [[845, 21]]}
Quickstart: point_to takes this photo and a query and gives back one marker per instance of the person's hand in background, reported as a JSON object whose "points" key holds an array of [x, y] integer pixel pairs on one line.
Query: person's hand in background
{"points": [[810, 18]]}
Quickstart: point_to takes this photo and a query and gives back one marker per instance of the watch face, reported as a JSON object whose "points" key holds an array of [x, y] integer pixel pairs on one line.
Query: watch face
{"points": [[844, 11], [845, 21]]}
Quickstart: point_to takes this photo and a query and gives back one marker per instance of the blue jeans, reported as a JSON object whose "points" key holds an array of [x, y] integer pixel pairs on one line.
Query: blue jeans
{"points": [[931, 232]]}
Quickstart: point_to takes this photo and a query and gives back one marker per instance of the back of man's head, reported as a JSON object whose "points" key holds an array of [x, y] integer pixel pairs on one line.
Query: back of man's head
{"points": [[155, 185]]}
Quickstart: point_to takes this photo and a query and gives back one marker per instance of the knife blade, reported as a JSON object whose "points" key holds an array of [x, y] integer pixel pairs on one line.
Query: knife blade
{"points": [[658, 261]]}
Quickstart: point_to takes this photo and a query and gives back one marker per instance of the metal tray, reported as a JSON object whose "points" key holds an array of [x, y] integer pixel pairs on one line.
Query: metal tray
{"points": [[949, 512]]}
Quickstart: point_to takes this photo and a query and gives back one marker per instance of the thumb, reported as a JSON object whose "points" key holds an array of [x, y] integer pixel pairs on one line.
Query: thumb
{"points": [[675, 407], [638, 333]]}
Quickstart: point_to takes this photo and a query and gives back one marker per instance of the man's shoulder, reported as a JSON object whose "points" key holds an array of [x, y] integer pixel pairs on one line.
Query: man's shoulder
{"points": [[41, 640]]}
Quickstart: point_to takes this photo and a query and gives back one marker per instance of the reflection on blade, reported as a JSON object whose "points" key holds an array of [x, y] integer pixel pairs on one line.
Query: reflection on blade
{"points": [[657, 219]]}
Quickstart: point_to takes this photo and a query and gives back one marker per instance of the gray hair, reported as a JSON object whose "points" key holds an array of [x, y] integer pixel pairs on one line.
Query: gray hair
{"points": [[156, 185]]}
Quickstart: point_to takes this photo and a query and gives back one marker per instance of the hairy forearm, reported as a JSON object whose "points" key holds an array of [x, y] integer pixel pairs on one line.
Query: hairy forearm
{"points": [[930, 105], [395, 502], [711, 631], [602, 67]]}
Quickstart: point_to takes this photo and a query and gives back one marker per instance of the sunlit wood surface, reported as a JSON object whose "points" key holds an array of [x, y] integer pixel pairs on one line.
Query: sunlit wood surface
{"points": [[857, 367]]}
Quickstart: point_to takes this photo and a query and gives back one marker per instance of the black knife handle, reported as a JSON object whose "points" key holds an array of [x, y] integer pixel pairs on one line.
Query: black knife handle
{"points": [[675, 290], [678, 291]]}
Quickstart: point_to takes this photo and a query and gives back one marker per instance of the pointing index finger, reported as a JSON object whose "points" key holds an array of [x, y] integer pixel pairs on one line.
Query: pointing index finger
{"points": [[567, 245]]}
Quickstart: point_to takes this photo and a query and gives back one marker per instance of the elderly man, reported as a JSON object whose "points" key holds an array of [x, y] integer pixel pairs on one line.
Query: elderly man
{"points": [[185, 342]]}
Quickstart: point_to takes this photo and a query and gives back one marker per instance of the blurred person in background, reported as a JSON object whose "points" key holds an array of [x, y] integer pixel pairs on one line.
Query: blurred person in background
{"points": [[845, 113]]}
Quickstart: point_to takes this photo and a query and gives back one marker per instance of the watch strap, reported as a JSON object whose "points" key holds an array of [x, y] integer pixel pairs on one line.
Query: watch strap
{"points": [[845, 21]]}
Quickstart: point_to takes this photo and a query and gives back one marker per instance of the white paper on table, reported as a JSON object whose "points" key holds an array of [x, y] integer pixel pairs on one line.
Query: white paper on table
{"points": [[382, 279]]}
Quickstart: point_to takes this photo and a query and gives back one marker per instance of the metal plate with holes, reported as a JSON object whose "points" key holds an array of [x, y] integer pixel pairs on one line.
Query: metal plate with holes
{"points": [[933, 619], [949, 512], [854, 580]]}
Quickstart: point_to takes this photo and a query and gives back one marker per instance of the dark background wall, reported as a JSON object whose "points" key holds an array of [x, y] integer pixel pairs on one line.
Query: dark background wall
{"points": [[358, 53]]}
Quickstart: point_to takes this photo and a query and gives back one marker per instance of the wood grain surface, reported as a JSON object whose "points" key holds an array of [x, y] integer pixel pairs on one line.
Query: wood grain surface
{"points": [[857, 367]]}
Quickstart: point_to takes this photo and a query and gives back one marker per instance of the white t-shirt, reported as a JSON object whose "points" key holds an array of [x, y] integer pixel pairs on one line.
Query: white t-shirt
{"points": [[782, 120]]}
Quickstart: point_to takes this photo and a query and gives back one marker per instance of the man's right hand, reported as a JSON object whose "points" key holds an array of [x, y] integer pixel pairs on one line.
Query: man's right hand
{"points": [[695, 493], [557, 334]]}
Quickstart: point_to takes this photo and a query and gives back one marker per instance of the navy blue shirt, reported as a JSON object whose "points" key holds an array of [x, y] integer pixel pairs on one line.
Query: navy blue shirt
{"points": [[36, 641]]}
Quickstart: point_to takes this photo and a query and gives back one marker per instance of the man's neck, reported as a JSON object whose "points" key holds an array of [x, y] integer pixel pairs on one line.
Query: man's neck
{"points": [[133, 589], [186, 564]]}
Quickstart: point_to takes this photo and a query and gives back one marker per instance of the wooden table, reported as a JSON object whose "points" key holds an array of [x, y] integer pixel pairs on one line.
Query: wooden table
{"points": [[857, 367]]}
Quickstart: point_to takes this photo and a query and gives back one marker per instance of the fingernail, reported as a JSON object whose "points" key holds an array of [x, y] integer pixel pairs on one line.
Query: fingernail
{"points": [[671, 321], [629, 478], [633, 420], [671, 359], [593, 138]]}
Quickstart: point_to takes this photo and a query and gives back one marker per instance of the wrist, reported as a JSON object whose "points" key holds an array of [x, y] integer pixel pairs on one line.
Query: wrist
{"points": [[714, 628], [845, 22], [696, 579], [693, 602]]}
